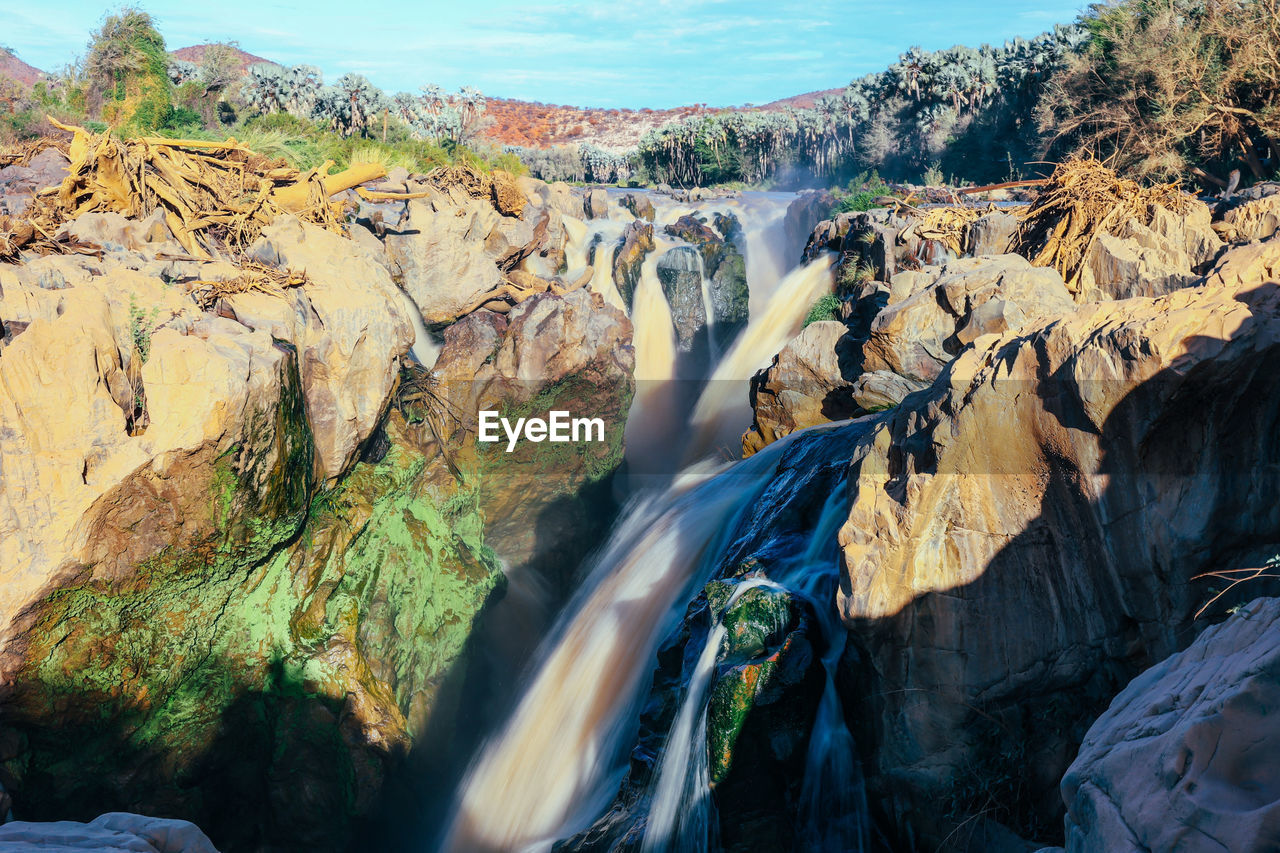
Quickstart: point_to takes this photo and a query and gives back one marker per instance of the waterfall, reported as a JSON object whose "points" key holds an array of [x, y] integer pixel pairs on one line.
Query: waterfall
{"points": [[557, 762], [425, 350], [559, 759], [723, 412]]}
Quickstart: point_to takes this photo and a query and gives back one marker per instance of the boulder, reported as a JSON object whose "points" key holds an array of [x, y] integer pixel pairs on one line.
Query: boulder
{"points": [[571, 353], [804, 386], [1256, 218], [680, 274], [992, 234], [730, 297], [639, 205], [1185, 756], [628, 259], [809, 208], [349, 327], [19, 183], [934, 314], [448, 249], [596, 204], [114, 831], [1023, 538], [1142, 260]]}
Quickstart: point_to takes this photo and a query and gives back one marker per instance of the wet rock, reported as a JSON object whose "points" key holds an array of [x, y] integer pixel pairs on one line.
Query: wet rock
{"points": [[628, 259], [596, 204], [639, 205], [1181, 760], [803, 214], [730, 297], [680, 273], [804, 386], [115, 831]]}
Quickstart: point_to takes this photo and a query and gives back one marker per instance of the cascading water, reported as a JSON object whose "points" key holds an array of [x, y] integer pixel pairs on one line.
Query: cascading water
{"points": [[557, 762], [560, 757]]}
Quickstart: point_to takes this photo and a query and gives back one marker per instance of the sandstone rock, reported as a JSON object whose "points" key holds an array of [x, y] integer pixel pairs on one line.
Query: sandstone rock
{"points": [[919, 332], [680, 273], [115, 831], [628, 259], [1022, 537], [639, 205], [19, 183], [992, 234], [804, 386], [596, 204], [1253, 219], [1184, 758], [438, 254], [569, 352], [113, 231], [350, 333], [1150, 261]]}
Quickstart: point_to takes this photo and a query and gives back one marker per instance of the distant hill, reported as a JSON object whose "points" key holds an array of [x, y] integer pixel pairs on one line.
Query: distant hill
{"points": [[195, 53], [15, 69]]}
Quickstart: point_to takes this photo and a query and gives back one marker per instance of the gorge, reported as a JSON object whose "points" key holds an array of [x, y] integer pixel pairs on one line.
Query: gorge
{"points": [[934, 570]]}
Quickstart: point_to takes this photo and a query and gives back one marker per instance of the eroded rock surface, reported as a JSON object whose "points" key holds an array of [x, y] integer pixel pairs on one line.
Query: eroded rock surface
{"points": [[1185, 757]]}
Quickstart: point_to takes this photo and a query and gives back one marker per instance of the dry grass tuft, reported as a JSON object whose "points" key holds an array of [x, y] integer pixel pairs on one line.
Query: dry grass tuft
{"points": [[1082, 199]]}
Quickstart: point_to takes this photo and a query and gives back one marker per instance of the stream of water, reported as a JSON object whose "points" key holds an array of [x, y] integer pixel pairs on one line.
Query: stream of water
{"points": [[557, 762]]}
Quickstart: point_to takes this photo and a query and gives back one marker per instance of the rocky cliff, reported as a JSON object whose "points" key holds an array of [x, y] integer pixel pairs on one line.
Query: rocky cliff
{"points": [[246, 538]]}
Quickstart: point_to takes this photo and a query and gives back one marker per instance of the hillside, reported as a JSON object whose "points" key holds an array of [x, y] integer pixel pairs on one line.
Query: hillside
{"points": [[538, 125], [15, 69], [195, 53]]}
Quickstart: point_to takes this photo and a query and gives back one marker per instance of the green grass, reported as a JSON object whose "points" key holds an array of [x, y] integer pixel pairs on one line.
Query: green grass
{"points": [[826, 308]]}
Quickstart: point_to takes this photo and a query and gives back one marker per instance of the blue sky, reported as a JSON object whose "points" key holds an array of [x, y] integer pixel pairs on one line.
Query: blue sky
{"points": [[659, 53]]}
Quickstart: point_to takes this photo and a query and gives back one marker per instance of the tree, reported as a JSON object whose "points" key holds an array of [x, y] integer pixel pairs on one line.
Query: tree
{"points": [[220, 67], [129, 68], [1173, 86]]}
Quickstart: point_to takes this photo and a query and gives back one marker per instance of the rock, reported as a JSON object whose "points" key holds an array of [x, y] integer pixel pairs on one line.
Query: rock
{"points": [[804, 386], [557, 196], [350, 332], [1183, 759], [114, 831], [639, 205], [922, 330], [992, 234], [1022, 537], [449, 249], [680, 273], [1150, 261], [803, 214], [730, 298], [1256, 218], [113, 231], [19, 183], [878, 390], [596, 204], [567, 352], [628, 259]]}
